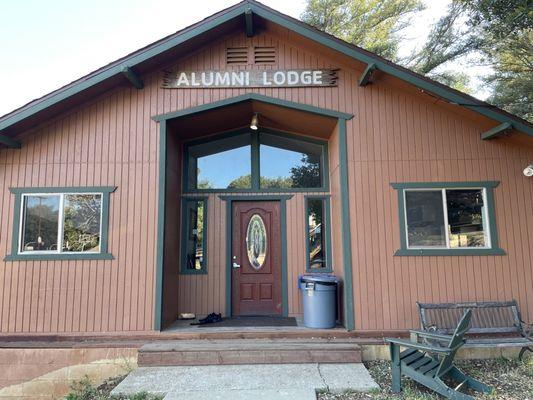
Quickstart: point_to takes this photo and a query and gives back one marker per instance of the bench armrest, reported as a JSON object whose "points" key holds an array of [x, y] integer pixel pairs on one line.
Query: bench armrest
{"points": [[430, 335], [419, 346], [527, 328]]}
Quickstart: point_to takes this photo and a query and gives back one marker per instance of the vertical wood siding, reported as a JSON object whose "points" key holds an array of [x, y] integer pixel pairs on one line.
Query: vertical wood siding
{"points": [[396, 136]]}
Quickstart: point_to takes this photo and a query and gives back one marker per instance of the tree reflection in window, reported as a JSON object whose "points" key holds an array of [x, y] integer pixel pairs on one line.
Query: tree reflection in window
{"points": [[284, 163], [195, 235], [289, 163], [40, 224], [316, 233], [81, 226]]}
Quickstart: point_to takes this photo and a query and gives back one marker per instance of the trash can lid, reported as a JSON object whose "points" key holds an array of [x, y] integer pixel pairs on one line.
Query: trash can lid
{"points": [[320, 278]]}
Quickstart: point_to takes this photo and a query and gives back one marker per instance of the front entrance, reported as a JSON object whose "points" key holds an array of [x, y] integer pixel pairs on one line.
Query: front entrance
{"points": [[256, 258]]}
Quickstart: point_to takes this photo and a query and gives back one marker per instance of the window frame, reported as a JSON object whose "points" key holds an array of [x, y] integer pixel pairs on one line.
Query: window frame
{"points": [[489, 221], [327, 237], [17, 254], [183, 270], [255, 162]]}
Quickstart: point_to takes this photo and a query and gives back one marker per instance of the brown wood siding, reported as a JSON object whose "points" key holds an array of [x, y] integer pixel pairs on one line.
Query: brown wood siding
{"points": [[396, 135]]}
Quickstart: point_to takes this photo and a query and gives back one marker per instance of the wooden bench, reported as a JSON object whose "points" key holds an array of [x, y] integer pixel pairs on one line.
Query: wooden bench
{"points": [[493, 324]]}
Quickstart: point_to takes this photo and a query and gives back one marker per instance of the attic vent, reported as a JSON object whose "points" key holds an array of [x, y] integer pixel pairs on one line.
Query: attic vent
{"points": [[264, 55], [237, 55]]}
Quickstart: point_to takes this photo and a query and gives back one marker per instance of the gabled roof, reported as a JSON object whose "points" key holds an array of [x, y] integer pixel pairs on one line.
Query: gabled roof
{"points": [[239, 15]]}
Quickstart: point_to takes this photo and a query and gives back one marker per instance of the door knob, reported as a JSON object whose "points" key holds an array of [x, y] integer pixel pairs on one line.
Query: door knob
{"points": [[235, 265]]}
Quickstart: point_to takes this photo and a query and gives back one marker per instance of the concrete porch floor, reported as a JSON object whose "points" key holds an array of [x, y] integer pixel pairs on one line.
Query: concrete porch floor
{"points": [[272, 381], [184, 326]]}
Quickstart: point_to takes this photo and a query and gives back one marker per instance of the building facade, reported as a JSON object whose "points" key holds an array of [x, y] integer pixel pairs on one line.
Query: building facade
{"points": [[141, 191]]}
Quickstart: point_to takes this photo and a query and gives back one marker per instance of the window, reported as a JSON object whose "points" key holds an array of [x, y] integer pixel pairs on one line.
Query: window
{"points": [[56, 223], [447, 218], [317, 234], [256, 161], [287, 163], [221, 164], [194, 259]]}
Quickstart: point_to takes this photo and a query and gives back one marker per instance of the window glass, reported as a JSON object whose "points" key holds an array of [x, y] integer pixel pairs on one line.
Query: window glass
{"points": [[81, 226], [287, 163], [195, 239], [465, 218], [221, 164], [425, 218], [40, 223], [316, 234]]}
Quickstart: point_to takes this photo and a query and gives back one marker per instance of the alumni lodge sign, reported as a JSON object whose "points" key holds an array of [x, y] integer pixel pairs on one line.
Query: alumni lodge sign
{"points": [[249, 78]]}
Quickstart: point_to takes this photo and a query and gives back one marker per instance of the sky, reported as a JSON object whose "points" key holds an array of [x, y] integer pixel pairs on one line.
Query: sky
{"points": [[47, 44]]}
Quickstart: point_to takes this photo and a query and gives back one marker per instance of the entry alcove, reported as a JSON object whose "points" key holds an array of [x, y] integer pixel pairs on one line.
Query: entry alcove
{"points": [[205, 286]]}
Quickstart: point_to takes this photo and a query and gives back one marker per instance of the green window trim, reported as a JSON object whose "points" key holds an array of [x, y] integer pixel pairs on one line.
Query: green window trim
{"points": [[487, 186], [327, 238], [104, 229], [184, 232], [255, 168]]}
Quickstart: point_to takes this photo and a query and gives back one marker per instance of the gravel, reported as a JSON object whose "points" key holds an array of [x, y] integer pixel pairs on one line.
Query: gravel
{"points": [[510, 379]]}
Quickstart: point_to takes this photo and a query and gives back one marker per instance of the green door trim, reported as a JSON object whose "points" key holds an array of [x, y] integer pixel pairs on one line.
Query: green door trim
{"points": [[282, 198], [345, 227]]}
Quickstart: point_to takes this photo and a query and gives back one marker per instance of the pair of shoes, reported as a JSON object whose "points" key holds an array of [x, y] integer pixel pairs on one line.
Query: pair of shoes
{"points": [[210, 319]]}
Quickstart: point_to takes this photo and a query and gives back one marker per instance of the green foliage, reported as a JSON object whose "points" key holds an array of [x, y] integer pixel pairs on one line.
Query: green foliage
{"points": [[505, 28], [374, 25], [82, 222], [85, 390]]}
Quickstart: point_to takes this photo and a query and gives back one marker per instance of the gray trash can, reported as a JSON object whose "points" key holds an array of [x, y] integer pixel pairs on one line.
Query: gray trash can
{"points": [[319, 293]]}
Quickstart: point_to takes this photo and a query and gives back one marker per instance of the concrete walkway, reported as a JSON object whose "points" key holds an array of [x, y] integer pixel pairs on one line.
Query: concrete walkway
{"points": [[261, 382]]}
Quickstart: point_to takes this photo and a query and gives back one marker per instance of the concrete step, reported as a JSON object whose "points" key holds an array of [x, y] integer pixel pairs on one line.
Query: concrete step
{"points": [[261, 394], [259, 381], [248, 351]]}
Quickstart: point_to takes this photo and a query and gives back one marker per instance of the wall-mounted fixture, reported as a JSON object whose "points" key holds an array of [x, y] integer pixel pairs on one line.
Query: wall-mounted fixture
{"points": [[528, 171], [254, 124]]}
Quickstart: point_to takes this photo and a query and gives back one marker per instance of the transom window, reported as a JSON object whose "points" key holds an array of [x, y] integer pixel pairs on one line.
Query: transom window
{"points": [[254, 161], [446, 218]]}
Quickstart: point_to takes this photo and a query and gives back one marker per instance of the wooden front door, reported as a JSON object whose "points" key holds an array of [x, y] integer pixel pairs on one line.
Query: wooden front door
{"points": [[256, 258]]}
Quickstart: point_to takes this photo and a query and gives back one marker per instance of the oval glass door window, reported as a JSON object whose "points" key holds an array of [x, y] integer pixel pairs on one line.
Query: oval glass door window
{"points": [[256, 241]]}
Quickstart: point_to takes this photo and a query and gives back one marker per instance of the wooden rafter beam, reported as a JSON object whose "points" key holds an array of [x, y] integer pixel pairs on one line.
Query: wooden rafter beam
{"points": [[497, 130], [133, 77], [10, 142], [366, 77], [249, 20]]}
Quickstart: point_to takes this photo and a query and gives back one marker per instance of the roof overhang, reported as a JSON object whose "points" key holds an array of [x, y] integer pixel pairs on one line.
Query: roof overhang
{"points": [[239, 16]]}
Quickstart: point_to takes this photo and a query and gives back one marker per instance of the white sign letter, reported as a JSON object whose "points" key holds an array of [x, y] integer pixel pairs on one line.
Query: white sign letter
{"points": [[182, 80], [317, 77], [292, 77], [266, 82]]}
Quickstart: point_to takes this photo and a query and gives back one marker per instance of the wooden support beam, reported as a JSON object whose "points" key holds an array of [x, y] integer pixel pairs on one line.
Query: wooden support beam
{"points": [[367, 74], [132, 77], [10, 142], [249, 19], [497, 130]]}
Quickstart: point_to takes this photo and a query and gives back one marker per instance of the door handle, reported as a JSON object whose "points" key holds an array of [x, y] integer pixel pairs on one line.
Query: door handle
{"points": [[235, 265]]}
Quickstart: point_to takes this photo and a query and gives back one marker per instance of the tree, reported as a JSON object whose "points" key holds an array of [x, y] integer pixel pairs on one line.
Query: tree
{"points": [[448, 40], [505, 29], [371, 24], [377, 25]]}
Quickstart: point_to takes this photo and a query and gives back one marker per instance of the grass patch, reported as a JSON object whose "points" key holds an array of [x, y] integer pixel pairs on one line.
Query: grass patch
{"points": [[86, 390], [510, 380]]}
